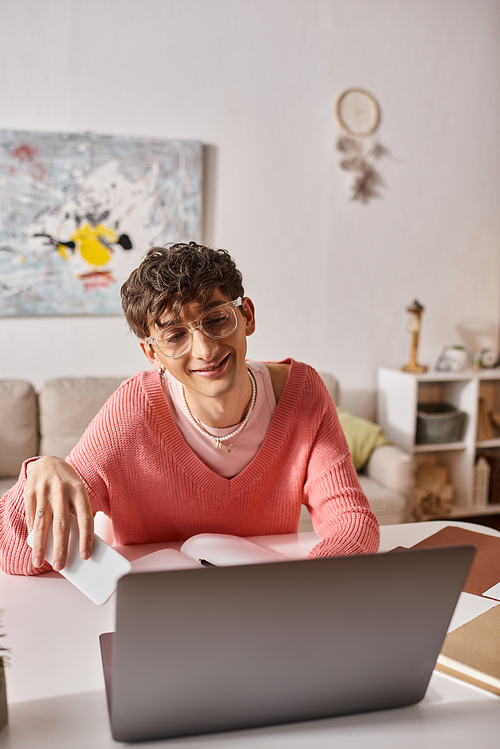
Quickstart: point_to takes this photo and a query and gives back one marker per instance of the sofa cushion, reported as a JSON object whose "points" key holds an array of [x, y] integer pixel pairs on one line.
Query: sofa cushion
{"points": [[18, 425], [362, 436], [67, 406], [7, 483], [332, 385], [395, 469], [386, 505]]}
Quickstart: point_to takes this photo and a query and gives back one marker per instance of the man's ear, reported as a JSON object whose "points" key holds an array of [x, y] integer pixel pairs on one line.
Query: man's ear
{"points": [[249, 308], [149, 353]]}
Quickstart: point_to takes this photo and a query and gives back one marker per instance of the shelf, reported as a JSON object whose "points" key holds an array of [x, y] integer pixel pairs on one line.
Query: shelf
{"points": [[465, 512], [441, 447], [474, 393], [488, 443], [444, 376], [488, 374], [434, 376]]}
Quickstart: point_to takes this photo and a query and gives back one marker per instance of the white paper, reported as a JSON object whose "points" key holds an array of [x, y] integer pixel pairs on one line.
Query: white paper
{"points": [[493, 592]]}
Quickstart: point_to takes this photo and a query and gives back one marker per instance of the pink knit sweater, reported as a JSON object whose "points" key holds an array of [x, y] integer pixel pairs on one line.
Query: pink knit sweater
{"points": [[139, 470]]}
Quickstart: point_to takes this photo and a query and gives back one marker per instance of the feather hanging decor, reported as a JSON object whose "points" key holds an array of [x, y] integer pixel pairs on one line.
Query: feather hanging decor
{"points": [[358, 116]]}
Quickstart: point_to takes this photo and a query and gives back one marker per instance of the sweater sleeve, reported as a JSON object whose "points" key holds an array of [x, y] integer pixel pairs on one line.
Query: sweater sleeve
{"points": [[15, 554], [340, 511]]}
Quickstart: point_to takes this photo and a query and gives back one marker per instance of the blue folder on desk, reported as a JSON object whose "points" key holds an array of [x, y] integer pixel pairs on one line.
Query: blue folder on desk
{"points": [[204, 650]]}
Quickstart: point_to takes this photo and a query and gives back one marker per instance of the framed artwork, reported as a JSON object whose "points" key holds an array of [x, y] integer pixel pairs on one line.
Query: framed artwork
{"points": [[78, 212]]}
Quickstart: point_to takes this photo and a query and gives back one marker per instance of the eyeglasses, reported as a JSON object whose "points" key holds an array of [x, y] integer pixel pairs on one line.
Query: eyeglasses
{"points": [[176, 340]]}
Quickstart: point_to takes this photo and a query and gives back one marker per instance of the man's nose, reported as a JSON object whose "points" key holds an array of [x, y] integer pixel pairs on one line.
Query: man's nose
{"points": [[202, 345]]}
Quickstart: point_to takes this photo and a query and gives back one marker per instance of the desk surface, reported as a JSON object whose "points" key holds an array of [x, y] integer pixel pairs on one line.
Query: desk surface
{"points": [[56, 690]]}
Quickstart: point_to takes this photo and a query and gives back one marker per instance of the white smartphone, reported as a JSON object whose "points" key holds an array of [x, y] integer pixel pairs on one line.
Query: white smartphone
{"points": [[98, 576]]}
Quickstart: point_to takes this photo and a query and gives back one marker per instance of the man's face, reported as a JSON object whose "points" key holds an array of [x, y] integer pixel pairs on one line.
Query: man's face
{"points": [[212, 367]]}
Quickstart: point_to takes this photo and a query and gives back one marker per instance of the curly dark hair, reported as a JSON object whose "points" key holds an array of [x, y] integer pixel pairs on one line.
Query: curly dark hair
{"points": [[170, 277]]}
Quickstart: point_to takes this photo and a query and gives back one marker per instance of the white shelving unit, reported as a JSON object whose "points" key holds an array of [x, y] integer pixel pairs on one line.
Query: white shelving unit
{"points": [[398, 395]]}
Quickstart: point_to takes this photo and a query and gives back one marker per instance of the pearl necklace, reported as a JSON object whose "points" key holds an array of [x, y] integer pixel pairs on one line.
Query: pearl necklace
{"points": [[219, 440]]}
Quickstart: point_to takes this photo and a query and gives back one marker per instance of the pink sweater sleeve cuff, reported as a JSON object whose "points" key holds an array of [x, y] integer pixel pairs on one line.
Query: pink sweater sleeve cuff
{"points": [[345, 544], [15, 554]]}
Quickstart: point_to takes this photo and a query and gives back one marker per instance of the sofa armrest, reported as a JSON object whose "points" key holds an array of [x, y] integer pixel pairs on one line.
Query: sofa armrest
{"points": [[389, 466]]}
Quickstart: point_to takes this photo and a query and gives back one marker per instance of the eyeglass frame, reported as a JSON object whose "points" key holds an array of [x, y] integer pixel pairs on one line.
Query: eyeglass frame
{"points": [[191, 327]]}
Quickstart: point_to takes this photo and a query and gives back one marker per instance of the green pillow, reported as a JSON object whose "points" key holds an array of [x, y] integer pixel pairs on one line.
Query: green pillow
{"points": [[362, 436]]}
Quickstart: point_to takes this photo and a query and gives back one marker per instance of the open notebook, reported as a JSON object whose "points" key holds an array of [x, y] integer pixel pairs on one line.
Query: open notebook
{"points": [[207, 549], [218, 648]]}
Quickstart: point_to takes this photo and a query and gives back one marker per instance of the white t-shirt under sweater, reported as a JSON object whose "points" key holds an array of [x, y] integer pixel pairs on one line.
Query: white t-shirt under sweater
{"points": [[245, 445]]}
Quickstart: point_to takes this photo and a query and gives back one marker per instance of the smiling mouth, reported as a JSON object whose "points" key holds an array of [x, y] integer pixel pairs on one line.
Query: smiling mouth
{"points": [[213, 367]]}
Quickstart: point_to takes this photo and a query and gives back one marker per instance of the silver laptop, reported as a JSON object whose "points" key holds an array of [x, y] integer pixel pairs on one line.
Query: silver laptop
{"points": [[198, 651]]}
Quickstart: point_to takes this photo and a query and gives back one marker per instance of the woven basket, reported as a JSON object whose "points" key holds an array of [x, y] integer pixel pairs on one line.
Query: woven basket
{"points": [[438, 423]]}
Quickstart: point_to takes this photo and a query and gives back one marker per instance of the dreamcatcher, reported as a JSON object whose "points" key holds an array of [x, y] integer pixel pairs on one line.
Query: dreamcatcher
{"points": [[358, 116]]}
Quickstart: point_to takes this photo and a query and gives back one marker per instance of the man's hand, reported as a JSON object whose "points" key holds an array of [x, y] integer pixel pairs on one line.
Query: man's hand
{"points": [[54, 490]]}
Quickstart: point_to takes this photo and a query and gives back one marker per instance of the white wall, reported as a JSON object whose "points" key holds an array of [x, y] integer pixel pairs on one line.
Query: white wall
{"points": [[256, 81]]}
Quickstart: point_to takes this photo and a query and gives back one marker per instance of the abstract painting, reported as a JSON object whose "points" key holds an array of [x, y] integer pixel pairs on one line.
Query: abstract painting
{"points": [[78, 212]]}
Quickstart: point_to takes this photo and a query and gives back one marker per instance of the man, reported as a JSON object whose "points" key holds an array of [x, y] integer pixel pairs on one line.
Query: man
{"points": [[204, 442]]}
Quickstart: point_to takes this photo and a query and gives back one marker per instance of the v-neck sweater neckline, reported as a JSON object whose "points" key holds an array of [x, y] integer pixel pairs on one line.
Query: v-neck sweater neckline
{"points": [[194, 467]]}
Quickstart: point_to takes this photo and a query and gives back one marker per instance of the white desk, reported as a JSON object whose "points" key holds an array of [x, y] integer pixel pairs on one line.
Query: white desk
{"points": [[56, 690]]}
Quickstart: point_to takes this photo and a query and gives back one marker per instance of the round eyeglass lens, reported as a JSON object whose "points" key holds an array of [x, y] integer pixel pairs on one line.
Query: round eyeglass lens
{"points": [[174, 341], [219, 322]]}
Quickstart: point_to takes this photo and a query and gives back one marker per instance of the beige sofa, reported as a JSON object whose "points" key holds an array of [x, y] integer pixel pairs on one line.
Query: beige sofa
{"points": [[52, 421]]}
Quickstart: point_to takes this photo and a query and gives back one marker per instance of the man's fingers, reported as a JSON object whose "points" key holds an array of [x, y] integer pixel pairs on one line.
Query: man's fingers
{"points": [[30, 508], [86, 533], [53, 490], [30, 517], [40, 527], [60, 531], [85, 518]]}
